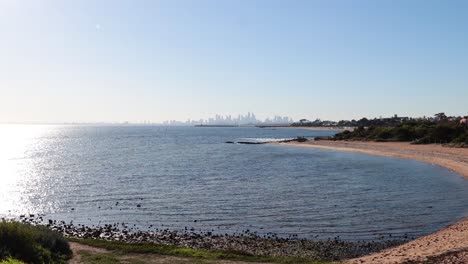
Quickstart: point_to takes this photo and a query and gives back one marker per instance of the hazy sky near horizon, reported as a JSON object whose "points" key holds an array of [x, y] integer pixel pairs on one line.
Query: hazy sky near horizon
{"points": [[113, 60]]}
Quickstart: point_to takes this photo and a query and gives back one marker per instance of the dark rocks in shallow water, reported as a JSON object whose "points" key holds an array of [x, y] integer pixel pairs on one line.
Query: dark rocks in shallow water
{"points": [[298, 139], [301, 139], [249, 242], [229, 142]]}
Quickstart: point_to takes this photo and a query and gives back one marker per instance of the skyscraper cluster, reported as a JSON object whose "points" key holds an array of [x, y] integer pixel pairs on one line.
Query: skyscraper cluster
{"points": [[248, 119]]}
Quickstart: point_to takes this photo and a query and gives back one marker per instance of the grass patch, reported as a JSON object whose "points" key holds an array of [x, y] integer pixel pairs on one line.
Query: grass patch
{"points": [[200, 254], [97, 258], [32, 244], [114, 257]]}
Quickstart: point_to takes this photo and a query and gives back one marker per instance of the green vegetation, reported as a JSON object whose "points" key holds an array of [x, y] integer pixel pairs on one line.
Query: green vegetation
{"points": [[419, 131], [98, 258], [113, 257], [11, 261], [31, 244], [387, 122], [201, 255]]}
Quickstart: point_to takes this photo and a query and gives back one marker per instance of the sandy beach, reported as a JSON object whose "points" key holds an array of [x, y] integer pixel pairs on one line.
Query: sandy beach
{"points": [[449, 245]]}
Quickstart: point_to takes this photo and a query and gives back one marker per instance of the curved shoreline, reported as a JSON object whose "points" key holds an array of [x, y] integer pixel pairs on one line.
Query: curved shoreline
{"points": [[447, 245]]}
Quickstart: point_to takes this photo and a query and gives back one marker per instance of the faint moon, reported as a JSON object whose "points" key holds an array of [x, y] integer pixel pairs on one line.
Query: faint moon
{"points": [[98, 26]]}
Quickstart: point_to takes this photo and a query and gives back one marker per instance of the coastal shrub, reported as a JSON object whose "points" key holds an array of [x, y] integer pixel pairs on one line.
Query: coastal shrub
{"points": [[382, 133], [402, 134], [423, 140], [417, 132], [11, 261], [32, 244], [343, 135], [421, 131], [463, 138]]}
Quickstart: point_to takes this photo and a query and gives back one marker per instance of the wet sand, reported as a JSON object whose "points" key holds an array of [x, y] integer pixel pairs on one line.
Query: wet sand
{"points": [[449, 245]]}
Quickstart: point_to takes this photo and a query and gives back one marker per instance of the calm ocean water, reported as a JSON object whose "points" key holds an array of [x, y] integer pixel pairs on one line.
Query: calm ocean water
{"points": [[177, 177]]}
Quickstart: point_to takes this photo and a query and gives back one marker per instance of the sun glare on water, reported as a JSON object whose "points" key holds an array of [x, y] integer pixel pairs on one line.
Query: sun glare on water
{"points": [[15, 173]]}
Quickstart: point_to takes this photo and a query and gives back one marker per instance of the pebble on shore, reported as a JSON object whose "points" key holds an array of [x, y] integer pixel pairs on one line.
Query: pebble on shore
{"points": [[247, 241]]}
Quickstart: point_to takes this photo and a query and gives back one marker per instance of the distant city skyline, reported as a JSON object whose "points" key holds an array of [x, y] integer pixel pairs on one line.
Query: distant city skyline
{"points": [[122, 60], [248, 119]]}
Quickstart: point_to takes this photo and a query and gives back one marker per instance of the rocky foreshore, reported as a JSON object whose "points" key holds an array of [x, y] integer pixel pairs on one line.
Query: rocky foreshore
{"points": [[247, 241]]}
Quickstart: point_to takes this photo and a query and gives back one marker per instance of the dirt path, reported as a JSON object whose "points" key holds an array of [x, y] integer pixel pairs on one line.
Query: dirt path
{"points": [[79, 251], [449, 245], [76, 248]]}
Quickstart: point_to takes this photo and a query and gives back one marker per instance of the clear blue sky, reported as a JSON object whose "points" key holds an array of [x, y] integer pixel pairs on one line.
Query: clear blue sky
{"points": [[156, 60]]}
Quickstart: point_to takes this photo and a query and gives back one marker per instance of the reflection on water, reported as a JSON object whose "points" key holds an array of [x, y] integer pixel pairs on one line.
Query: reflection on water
{"points": [[188, 177], [15, 168]]}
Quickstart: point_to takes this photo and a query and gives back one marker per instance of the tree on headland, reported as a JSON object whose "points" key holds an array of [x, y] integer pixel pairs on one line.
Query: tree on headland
{"points": [[441, 116], [302, 121]]}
